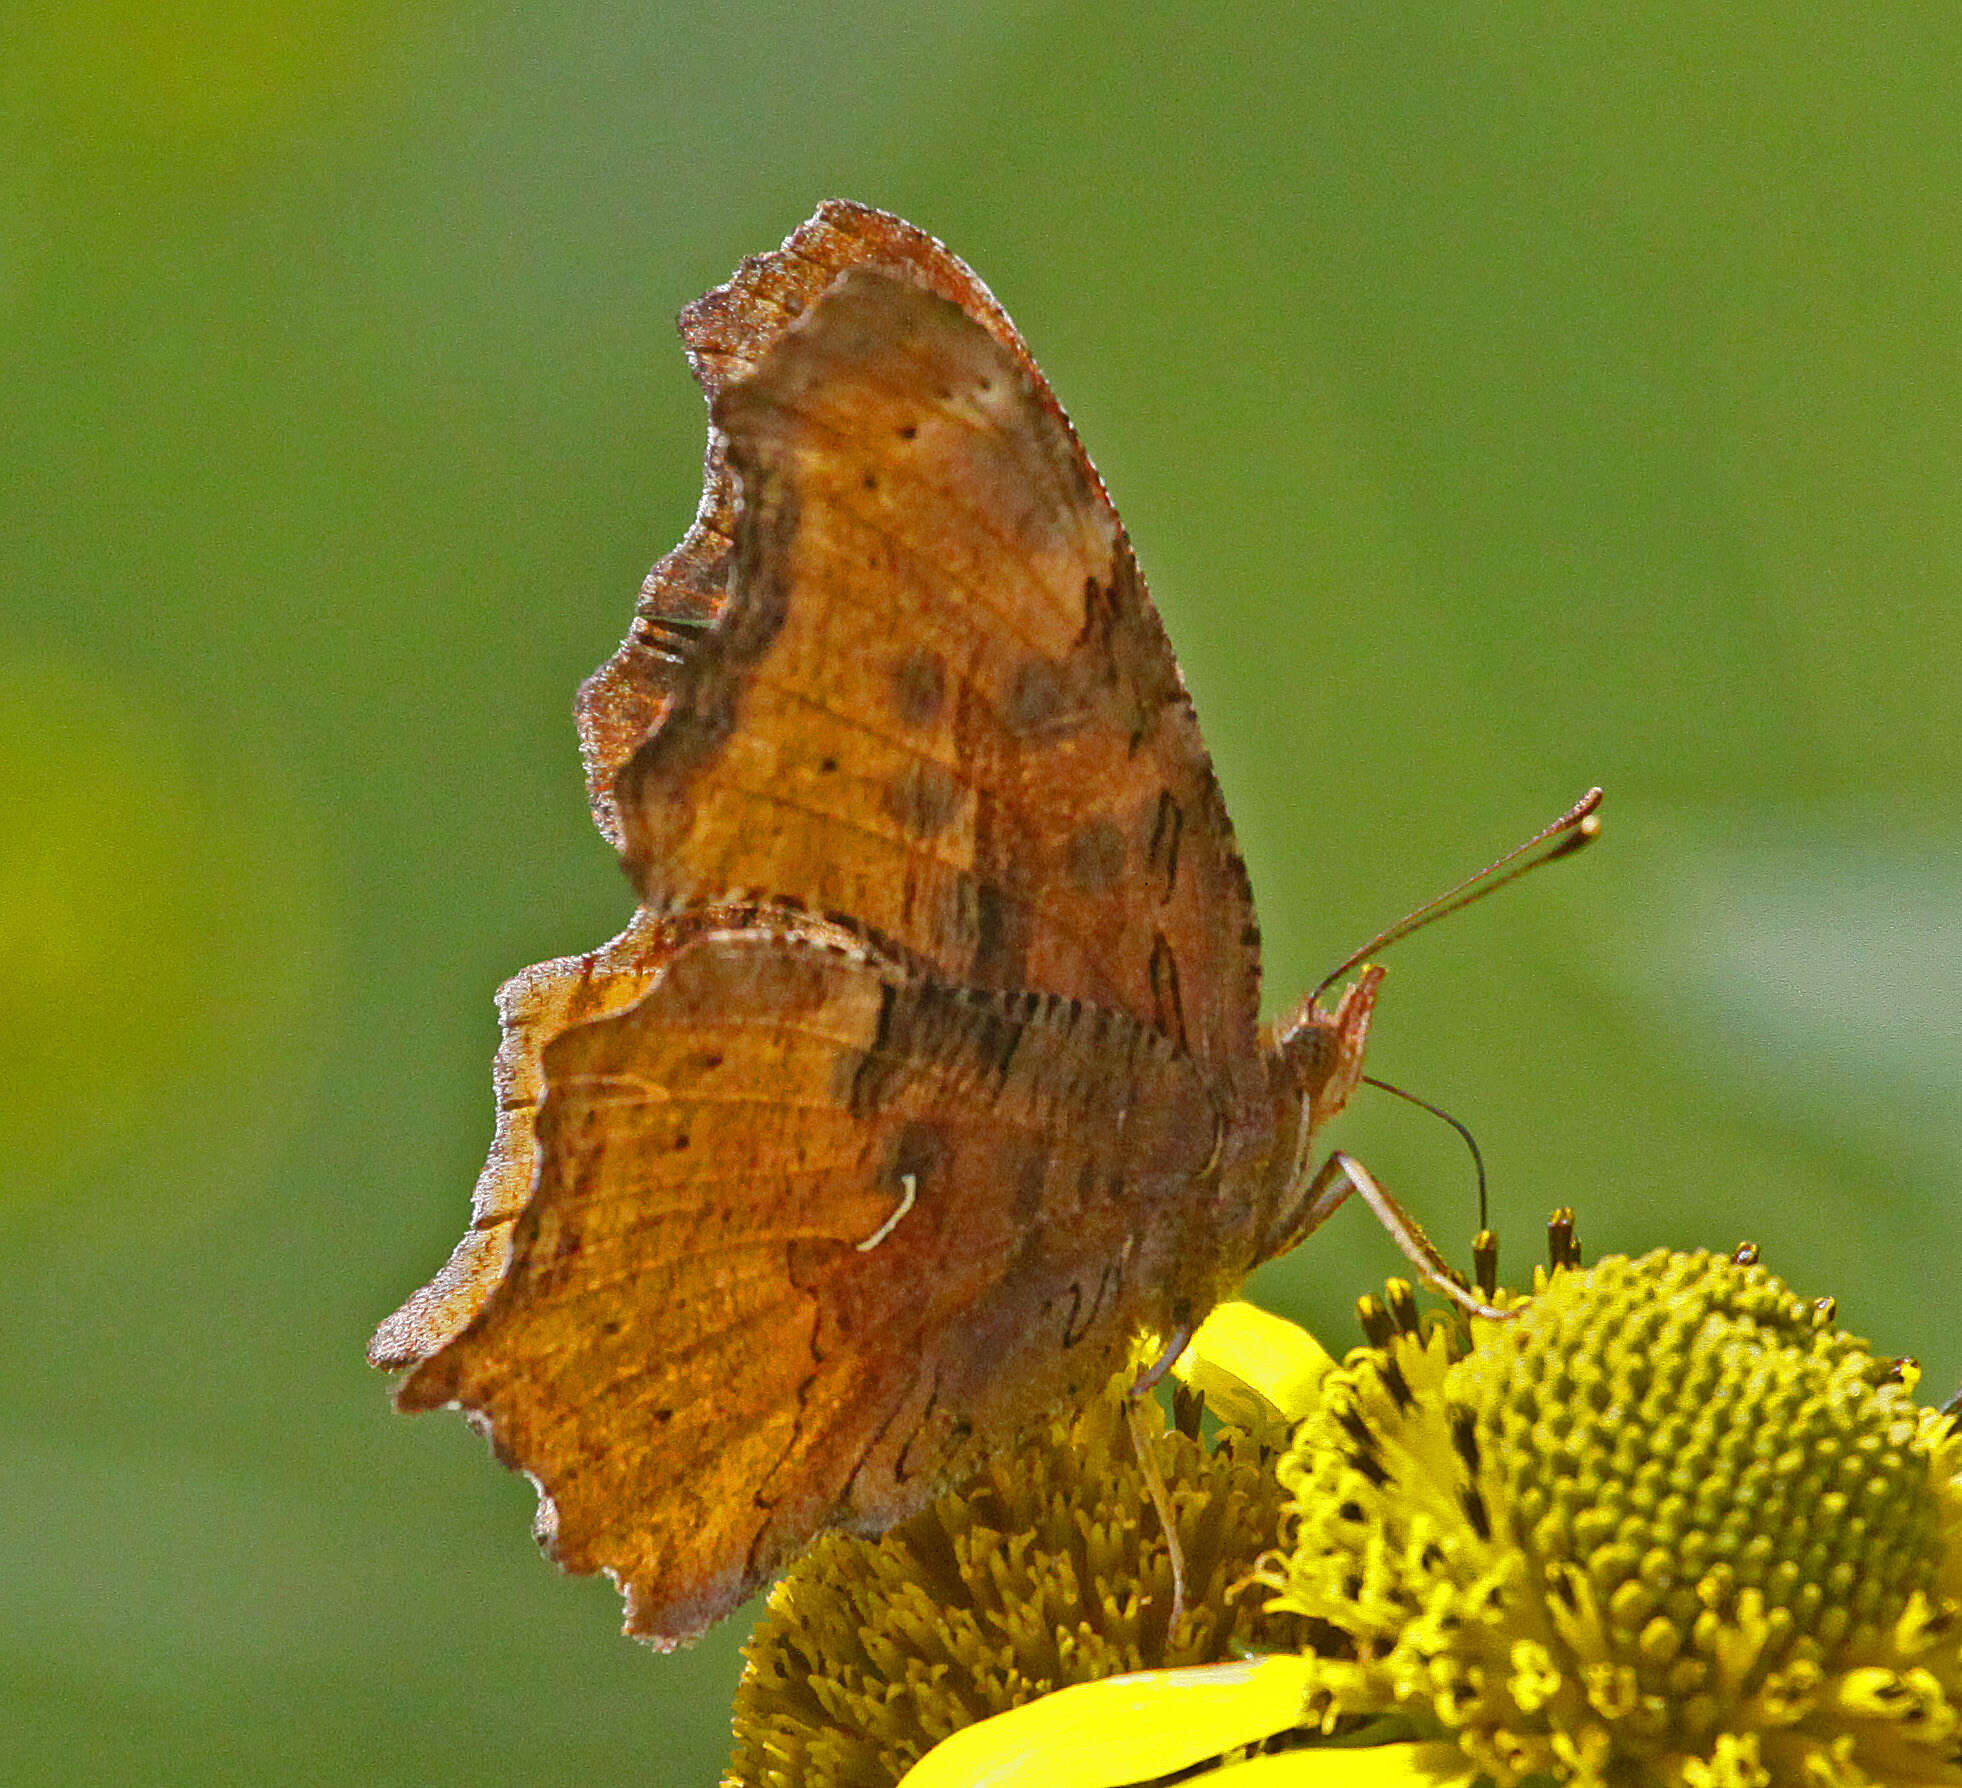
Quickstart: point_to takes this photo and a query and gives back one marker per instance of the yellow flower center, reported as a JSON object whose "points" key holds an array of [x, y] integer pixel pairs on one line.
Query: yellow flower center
{"points": [[1668, 1524]]}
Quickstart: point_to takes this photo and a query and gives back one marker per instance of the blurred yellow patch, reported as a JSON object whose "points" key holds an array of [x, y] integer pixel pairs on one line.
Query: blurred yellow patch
{"points": [[119, 74], [161, 930]]}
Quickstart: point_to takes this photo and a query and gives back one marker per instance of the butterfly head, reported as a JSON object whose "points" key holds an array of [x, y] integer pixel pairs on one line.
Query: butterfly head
{"points": [[1321, 1049]]}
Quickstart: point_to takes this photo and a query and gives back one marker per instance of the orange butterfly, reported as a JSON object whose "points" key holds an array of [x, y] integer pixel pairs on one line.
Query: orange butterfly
{"points": [[929, 1074]]}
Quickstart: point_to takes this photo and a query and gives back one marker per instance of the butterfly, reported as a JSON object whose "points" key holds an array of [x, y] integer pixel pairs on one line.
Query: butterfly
{"points": [[929, 1074]]}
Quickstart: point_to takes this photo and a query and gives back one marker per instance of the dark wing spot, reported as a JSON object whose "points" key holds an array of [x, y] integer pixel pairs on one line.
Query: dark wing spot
{"points": [[1167, 827], [919, 687], [1167, 1008], [1001, 937], [923, 798], [1096, 857], [983, 922], [1038, 697], [918, 1152], [690, 737]]}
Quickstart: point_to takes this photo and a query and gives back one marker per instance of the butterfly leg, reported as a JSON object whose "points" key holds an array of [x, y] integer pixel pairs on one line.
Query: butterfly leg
{"points": [[1153, 1375], [1154, 1478], [1342, 1175]]}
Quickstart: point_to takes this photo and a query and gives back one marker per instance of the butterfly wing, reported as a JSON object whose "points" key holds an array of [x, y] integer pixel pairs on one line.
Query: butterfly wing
{"points": [[803, 1225], [996, 770], [922, 684], [796, 1218], [727, 332], [544, 1001]]}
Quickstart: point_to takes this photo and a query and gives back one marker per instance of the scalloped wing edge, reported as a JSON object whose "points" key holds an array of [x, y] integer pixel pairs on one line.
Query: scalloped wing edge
{"points": [[726, 332]]}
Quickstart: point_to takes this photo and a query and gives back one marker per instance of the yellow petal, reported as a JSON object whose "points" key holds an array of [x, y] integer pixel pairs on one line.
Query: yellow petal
{"points": [[1253, 1365], [1436, 1765], [1123, 1729]]}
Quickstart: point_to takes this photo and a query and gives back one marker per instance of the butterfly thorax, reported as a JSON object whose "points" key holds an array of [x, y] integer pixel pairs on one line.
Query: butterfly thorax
{"points": [[1314, 1064]]}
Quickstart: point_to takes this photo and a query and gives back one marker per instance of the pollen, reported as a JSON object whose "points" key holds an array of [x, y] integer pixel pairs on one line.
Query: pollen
{"points": [[1047, 1569]]}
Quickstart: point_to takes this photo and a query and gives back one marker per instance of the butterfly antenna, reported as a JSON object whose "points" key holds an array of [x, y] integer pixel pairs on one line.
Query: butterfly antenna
{"points": [[1579, 825], [1438, 1111]]}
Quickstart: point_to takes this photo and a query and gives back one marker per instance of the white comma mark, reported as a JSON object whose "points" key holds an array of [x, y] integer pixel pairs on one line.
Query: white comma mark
{"points": [[909, 1184]]}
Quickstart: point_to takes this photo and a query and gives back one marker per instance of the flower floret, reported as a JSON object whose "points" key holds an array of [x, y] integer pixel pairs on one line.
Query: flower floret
{"points": [[1669, 1523]]}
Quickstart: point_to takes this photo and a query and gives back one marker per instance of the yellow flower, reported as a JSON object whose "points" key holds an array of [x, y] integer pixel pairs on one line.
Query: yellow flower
{"points": [[1048, 1569], [1668, 1525]]}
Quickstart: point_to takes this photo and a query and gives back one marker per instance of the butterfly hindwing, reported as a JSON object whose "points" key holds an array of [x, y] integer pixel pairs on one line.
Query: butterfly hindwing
{"points": [[533, 1008], [803, 1224]]}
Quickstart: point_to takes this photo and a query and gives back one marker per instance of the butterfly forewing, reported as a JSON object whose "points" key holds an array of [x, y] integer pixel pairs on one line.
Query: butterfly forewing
{"points": [[727, 332], [937, 698]]}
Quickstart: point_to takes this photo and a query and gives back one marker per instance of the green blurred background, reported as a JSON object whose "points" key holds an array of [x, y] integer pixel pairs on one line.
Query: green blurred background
{"points": [[1502, 400]]}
